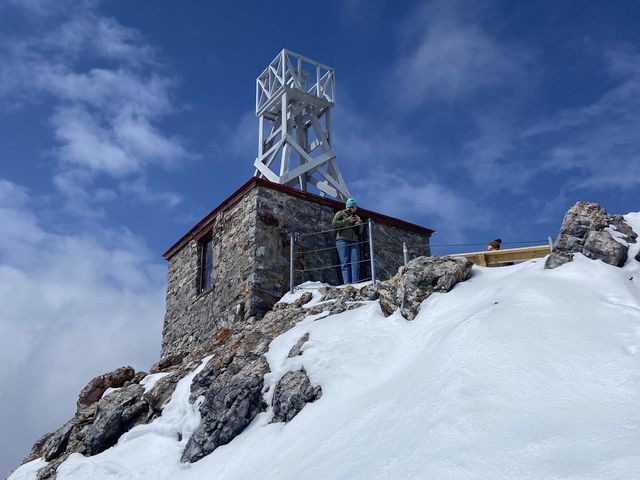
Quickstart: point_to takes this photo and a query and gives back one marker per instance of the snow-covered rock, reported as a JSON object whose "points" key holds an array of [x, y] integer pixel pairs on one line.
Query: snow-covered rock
{"points": [[587, 228]]}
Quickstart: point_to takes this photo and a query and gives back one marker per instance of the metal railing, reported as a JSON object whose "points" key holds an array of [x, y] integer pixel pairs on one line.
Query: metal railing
{"points": [[295, 239]]}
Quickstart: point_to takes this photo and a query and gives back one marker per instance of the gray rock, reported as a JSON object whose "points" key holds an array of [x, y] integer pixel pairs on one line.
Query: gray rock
{"points": [[601, 246], [292, 393], [161, 392], [617, 221], [116, 414], [58, 441], [418, 280], [584, 231], [296, 350], [93, 391], [230, 404]]}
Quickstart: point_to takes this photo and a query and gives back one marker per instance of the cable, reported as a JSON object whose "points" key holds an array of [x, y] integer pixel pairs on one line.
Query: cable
{"points": [[329, 248], [480, 244], [332, 230], [331, 266]]}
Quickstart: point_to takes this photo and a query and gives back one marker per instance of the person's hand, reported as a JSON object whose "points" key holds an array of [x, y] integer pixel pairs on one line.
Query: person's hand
{"points": [[358, 220], [352, 219]]}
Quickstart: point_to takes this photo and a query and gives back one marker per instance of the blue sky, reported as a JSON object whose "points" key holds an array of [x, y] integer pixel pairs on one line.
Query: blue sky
{"points": [[124, 123]]}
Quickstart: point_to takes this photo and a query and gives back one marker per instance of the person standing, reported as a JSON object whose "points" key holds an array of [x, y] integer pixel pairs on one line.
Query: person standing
{"points": [[348, 227]]}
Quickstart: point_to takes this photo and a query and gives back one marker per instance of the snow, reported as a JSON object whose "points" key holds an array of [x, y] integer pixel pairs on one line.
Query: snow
{"points": [[517, 373], [149, 381]]}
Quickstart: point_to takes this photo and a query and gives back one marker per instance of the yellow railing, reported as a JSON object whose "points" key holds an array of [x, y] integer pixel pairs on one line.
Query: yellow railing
{"points": [[490, 258]]}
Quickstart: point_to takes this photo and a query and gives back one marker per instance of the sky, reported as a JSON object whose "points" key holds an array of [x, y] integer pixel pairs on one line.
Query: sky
{"points": [[124, 123]]}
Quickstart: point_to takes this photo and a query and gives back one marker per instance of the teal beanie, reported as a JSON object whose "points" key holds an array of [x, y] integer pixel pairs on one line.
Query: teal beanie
{"points": [[351, 203]]}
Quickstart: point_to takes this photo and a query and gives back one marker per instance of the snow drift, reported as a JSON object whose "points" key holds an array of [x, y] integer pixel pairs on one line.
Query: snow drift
{"points": [[518, 373]]}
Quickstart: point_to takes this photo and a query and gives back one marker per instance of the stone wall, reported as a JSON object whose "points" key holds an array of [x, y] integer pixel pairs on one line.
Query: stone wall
{"points": [[192, 315], [251, 244]]}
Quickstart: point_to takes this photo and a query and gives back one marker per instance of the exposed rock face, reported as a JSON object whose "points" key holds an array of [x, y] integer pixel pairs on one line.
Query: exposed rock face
{"points": [[292, 393], [232, 381], [418, 280], [96, 387], [96, 426], [116, 414], [584, 231]]}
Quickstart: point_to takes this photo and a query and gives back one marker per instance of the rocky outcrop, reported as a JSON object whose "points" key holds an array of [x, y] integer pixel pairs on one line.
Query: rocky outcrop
{"points": [[116, 414], [292, 393], [416, 281], [230, 387], [93, 391], [98, 425], [586, 229], [231, 383]]}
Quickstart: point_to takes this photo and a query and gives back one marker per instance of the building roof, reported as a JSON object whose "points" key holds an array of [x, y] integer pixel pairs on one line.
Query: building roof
{"points": [[254, 182]]}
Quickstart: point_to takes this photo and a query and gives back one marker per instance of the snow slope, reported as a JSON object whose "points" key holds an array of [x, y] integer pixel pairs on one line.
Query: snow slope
{"points": [[517, 373]]}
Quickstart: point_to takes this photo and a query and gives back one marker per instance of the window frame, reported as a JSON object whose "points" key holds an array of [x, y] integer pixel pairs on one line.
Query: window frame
{"points": [[204, 285]]}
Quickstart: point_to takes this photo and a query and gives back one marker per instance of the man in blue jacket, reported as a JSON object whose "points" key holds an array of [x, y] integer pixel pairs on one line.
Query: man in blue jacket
{"points": [[348, 227]]}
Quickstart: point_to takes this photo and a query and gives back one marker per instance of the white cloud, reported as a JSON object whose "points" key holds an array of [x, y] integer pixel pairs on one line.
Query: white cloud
{"points": [[419, 198], [368, 140], [449, 56], [597, 145], [73, 306], [104, 120]]}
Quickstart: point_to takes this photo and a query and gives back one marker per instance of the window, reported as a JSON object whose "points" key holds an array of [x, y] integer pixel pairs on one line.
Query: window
{"points": [[206, 264]]}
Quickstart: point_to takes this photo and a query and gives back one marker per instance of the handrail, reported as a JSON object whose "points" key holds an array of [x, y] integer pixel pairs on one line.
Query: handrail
{"points": [[489, 258]]}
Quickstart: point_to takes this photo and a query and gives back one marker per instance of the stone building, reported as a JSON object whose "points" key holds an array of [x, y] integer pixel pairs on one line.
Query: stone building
{"points": [[233, 265]]}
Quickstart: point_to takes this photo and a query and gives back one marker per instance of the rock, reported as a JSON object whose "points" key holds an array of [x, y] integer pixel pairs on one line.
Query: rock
{"points": [[416, 281], [292, 393], [296, 350], [93, 391], [584, 231], [58, 441], [37, 450], [303, 300], [161, 392], [601, 246], [618, 223], [167, 362], [230, 404], [115, 415], [638, 256]]}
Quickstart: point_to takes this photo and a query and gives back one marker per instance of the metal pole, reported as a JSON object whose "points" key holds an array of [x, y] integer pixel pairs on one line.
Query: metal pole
{"points": [[405, 253], [291, 258], [550, 243], [373, 260]]}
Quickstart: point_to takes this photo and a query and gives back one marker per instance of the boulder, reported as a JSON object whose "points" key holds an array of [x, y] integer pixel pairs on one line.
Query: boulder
{"points": [[230, 403], [416, 281], [292, 393], [584, 230], [116, 414], [93, 391]]}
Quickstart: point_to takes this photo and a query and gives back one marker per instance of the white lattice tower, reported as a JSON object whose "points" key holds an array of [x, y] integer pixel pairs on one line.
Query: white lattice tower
{"points": [[294, 97]]}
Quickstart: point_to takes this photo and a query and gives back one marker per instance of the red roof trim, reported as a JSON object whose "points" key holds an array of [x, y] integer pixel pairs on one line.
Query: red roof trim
{"points": [[198, 229]]}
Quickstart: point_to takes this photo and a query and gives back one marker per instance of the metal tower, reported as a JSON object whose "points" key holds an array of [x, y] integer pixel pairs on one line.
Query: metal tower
{"points": [[294, 97]]}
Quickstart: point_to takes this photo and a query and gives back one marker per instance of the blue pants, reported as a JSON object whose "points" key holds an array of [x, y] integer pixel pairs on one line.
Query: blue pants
{"points": [[349, 253]]}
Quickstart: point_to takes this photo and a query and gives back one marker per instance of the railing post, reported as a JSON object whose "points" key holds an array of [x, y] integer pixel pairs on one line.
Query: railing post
{"points": [[405, 253], [550, 244], [373, 260], [292, 247]]}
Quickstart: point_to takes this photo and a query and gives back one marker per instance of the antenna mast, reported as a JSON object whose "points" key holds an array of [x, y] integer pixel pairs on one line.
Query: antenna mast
{"points": [[294, 97]]}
